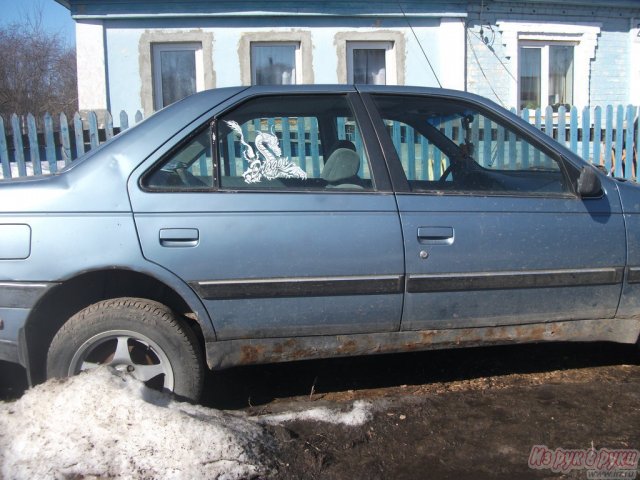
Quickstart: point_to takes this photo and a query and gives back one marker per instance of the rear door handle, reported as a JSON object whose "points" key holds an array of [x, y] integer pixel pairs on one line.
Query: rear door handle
{"points": [[179, 237], [435, 235]]}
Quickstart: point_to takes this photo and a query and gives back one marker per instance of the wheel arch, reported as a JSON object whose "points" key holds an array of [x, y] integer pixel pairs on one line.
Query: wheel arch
{"points": [[78, 292]]}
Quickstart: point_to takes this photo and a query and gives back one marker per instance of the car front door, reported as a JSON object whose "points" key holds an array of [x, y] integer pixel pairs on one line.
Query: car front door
{"points": [[287, 226], [494, 232]]}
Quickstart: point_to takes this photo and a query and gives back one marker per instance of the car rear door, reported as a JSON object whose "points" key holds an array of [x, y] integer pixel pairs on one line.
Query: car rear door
{"points": [[493, 231], [275, 245]]}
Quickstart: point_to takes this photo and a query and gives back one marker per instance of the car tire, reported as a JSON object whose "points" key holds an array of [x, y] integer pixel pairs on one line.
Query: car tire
{"points": [[142, 337]]}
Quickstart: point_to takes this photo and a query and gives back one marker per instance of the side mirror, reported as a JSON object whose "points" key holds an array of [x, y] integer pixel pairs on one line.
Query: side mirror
{"points": [[589, 185]]}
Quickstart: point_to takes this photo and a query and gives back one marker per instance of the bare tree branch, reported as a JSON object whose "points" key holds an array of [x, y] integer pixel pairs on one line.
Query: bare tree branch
{"points": [[37, 69]]}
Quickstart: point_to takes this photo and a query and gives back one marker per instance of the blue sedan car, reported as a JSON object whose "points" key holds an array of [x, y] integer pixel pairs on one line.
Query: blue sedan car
{"points": [[265, 224]]}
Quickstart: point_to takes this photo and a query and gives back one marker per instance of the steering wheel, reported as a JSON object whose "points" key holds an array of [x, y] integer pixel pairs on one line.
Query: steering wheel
{"points": [[187, 178]]}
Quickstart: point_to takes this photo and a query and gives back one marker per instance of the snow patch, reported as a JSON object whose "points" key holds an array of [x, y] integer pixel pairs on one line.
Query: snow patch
{"points": [[104, 424], [359, 415]]}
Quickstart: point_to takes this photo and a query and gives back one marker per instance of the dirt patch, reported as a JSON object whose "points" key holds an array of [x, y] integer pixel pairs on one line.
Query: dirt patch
{"points": [[477, 430], [472, 413]]}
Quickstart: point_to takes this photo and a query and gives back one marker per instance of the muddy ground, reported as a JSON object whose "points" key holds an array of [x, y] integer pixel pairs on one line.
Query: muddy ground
{"points": [[471, 413]]}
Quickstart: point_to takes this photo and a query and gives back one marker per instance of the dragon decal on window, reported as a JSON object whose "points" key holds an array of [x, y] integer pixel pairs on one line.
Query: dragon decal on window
{"points": [[268, 163]]}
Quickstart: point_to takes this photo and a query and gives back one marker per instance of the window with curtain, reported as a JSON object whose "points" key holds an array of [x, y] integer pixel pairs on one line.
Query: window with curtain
{"points": [[274, 63], [545, 75], [367, 62], [177, 72]]}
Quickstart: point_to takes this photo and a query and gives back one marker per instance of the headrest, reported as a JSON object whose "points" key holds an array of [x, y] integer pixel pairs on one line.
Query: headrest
{"points": [[342, 164]]}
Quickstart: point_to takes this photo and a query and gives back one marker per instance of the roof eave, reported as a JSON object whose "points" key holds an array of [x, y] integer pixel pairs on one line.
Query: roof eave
{"points": [[64, 3]]}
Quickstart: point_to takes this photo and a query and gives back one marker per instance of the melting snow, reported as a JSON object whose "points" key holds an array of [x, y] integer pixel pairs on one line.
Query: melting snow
{"points": [[107, 424], [359, 414]]}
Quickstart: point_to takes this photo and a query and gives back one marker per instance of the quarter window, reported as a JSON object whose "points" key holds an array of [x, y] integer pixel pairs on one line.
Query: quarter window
{"points": [[275, 63], [177, 72], [189, 167], [447, 146], [292, 143]]}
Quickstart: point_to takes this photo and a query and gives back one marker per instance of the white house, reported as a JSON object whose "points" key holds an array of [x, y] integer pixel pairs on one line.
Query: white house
{"points": [[144, 54]]}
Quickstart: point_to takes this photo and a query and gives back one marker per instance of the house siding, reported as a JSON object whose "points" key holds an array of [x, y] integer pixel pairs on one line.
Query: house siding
{"points": [[610, 72], [610, 69]]}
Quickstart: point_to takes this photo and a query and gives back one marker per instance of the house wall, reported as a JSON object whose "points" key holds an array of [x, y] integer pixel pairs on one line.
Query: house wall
{"points": [[446, 34], [492, 71], [226, 50]]}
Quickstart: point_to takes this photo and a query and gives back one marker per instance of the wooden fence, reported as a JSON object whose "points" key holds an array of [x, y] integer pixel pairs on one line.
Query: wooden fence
{"points": [[28, 147], [598, 135]]}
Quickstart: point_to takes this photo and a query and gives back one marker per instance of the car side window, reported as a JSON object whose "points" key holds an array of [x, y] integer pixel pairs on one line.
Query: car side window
{"points": [[189, 167], [451, 146], [299, 142]]}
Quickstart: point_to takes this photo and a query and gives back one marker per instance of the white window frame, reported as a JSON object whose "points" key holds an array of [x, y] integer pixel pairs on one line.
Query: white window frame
{"points": [[157, 49], [544, 68], [391, 75], [297, 58], [583, 36]]}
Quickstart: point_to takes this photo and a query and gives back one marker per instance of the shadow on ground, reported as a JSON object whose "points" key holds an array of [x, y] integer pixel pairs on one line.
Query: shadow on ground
{"points": [[13, 380], [262, 384], [258, 385]]}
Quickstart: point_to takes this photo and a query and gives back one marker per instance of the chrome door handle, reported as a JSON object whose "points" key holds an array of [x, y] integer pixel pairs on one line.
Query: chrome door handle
{"points": [[436, 235], [179, 237]]}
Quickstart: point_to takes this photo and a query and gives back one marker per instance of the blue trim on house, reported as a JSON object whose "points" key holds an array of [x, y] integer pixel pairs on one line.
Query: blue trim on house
{"points": [[127, 8]]}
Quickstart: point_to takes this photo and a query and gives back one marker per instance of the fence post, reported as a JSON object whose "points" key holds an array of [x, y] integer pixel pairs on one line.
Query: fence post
{"points": [[635, 156], [548, 120], [562, 125], [286, 138], [50, 146], [65, 140], [315, 154], [513, 152], [586, 134], [630, 167], [94, 140], [573, 134], [411, 151], [500, 145], [524, 145], [597, 135], [108, 126], [4, 151], [18, 146], [124, 120], [536, 153], [79, 134], [34, 149], [619, 139], [608, 138]]}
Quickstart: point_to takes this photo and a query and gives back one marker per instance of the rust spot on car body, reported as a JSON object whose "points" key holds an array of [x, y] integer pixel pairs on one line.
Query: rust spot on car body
{"points": [[348, 347], [251, 354], [269, 350]]}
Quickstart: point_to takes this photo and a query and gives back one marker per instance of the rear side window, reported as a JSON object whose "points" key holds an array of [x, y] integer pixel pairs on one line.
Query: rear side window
{"points": [[298, 142], [451, 146]]}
